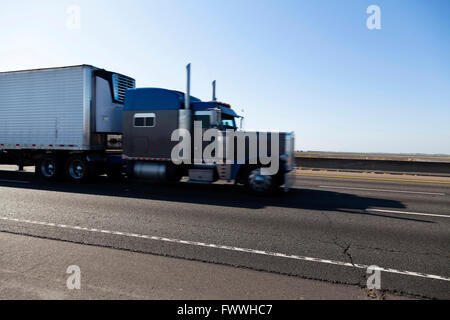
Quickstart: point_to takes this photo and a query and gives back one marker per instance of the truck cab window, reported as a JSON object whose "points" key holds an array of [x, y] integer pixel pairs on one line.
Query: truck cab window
{"points": [[144, 120], [229, 123]]}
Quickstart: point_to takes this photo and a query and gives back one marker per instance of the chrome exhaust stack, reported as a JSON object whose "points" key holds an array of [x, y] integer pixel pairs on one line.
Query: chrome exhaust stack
{"points": [[214, 98], [185, 115], [187, 98]]}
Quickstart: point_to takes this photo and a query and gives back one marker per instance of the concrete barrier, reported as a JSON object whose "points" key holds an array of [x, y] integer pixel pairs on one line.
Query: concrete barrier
{"points": [[387, 166]]}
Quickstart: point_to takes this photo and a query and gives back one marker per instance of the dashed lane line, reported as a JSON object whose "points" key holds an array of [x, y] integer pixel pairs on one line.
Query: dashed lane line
{"points": [[230, 248], [384, 190], [409, 213], [368, 178]]}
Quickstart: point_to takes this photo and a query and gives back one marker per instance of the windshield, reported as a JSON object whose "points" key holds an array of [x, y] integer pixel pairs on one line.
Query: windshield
{"points": [[228, 122]]}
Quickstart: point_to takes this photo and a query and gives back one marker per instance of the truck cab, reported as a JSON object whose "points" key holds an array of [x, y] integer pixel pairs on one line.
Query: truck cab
{"points": [[152, 115]]}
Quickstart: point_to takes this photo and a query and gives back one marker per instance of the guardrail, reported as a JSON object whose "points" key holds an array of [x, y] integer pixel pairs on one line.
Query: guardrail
{"points": [[382, 166]]}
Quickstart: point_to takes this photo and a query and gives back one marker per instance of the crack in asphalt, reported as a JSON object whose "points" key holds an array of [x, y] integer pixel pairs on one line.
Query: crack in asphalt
{"points": [[345, 247], [335, 239], [347, 252]]}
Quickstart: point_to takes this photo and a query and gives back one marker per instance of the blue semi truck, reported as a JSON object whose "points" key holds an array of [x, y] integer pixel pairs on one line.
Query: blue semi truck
{"points": [[79, 122]]}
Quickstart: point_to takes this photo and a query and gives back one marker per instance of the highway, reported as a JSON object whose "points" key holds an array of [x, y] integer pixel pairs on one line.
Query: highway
{"points": [[330, 227]]}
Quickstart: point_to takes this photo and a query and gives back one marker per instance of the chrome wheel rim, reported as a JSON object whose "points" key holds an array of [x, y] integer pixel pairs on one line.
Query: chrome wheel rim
{"points": [[48, 168], [77, 169]]}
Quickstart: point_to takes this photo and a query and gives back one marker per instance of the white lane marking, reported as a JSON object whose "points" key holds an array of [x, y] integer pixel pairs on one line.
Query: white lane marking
{"points": [[230, 248], [409, 213], [384, 190], [14, 181]]}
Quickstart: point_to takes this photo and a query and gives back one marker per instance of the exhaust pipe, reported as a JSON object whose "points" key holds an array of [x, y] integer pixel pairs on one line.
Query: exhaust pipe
{"points": [[214, 98], [187, 98], [185, 115]]}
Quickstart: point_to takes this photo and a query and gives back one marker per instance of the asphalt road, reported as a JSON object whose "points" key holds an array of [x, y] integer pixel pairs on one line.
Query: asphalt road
{"points": [[327, 228], [35, 268]]}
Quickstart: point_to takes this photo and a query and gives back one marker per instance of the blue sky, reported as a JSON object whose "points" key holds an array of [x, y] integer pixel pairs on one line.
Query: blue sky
{"points": [[312, 67]]}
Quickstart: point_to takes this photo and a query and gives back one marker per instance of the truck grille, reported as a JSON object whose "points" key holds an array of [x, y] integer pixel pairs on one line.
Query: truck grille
{"points": [[121, 84]]}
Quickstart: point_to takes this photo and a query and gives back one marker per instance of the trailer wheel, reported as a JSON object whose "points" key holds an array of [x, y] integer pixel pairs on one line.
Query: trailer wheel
{"points": [[49, 168], [257, 183], [78, 169]]}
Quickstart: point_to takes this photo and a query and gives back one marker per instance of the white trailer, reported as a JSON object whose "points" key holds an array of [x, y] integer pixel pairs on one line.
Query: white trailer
{"points": [[65, 108], [59, 112]]}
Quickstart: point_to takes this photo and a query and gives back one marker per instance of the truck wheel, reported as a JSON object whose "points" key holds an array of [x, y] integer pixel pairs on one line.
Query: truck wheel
{"points": [[49, 168], [259, 184], [78, 169]]}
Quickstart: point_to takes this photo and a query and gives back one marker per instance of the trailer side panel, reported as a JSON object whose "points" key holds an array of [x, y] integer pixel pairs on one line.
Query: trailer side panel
{"points": [[46, 109]]}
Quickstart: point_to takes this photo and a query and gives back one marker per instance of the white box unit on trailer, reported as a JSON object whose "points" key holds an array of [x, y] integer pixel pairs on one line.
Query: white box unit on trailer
{"points": [[67, 108]]}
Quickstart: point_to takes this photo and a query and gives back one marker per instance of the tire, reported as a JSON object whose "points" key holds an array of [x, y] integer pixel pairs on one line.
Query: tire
{"points": [[257, 183], [49, 168], [78, 169]]}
